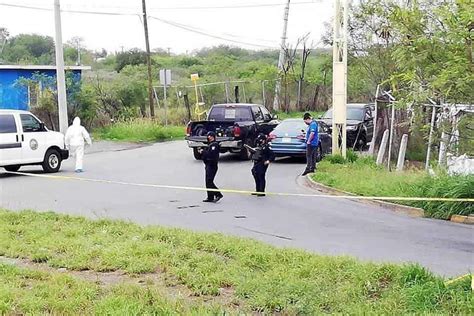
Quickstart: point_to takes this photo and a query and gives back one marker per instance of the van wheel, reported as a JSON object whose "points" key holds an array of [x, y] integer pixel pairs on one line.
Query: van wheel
{"points": [[52, 161], [13, 168], [197, 155]]}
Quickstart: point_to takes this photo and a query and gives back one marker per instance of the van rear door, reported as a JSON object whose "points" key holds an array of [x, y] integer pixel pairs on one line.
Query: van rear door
{"points": [[10, 143]]}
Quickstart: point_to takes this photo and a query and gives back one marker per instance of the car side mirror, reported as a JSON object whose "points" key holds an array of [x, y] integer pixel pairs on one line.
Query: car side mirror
{"points": [[42, 127], [275, 116]]}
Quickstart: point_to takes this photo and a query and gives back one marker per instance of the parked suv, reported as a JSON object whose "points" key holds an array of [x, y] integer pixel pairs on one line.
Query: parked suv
{"points": [[24, 140], [359, 124]]}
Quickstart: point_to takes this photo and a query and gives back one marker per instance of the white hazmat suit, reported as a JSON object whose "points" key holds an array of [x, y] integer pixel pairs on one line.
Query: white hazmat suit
{"points": [[76, 138]]}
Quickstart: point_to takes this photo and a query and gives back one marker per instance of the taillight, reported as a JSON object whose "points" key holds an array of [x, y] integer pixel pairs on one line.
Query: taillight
{"points": [[188, 130], [271, 136], [237, 131]]}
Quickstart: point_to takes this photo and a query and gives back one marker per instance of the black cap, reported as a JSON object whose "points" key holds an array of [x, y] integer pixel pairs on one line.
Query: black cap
{"points": [[307, 116], [213, 134]]}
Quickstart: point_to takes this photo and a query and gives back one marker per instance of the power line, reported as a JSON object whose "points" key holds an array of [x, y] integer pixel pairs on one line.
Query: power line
{"points": [[188, 28], [191, 29], [224, 7]]}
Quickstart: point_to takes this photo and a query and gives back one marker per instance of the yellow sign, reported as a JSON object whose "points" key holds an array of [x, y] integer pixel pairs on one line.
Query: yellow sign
{"points": [[194, 77]]}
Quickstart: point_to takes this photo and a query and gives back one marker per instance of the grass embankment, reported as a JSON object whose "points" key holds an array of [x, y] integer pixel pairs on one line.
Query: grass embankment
{"points": [[140, 130], [363, 177], [258, 277]]}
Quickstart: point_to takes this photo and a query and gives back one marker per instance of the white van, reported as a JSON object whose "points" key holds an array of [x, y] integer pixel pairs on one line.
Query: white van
{"points": [[24, 140]]}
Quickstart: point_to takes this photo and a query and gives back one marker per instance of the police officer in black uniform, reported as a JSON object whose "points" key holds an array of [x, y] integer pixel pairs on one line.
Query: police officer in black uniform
{"points": [[210, 157], [262, 155]]}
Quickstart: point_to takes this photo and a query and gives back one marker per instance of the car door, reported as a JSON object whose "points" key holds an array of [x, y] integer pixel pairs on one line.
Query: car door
{"points": [[10, 144], [369, 123], [34, 139], [268, 124]]}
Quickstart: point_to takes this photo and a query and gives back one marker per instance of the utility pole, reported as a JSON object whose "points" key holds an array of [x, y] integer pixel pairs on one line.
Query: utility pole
{"points": [[281, 59], [60, 75], [339, 85], [148, 60]]}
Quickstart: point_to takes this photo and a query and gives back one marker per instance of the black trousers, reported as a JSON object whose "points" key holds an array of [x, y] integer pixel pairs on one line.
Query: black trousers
{"points": [[311, 155], [211, 171], [258, 171]]}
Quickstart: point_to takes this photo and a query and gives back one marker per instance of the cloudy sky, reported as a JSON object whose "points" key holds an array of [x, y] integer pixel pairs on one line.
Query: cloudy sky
{"points": [[181, 25]]}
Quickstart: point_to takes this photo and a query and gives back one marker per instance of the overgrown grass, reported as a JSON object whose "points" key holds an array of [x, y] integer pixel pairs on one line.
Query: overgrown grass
{"points": [[140, 130], [363, 177], [261, 277]]}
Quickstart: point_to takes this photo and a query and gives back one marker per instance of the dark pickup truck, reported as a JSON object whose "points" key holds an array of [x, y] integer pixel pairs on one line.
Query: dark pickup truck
{"points": [[234, 124]]}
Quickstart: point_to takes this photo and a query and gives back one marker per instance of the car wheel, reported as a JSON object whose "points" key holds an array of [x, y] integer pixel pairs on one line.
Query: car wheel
{"points": [[197, 154], [13, 168], [52, 161]]}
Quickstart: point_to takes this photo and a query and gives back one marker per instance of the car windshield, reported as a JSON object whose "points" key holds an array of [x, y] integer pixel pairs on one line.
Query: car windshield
{"points": [[291, 127], [238, 114], [353, 113]]}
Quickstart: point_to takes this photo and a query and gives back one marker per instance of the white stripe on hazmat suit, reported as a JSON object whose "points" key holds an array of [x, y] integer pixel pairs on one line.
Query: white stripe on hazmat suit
{"points": [[76, 137]]}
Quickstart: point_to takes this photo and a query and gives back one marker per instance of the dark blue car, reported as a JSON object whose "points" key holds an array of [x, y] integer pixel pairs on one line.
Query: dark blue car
{"points": [[288, 139]]}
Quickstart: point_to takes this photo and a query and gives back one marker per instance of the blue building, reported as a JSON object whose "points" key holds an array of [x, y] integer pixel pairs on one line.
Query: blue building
{"points": [[15, 94]]}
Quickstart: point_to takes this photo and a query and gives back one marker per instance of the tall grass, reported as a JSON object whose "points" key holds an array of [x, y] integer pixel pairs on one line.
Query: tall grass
{"points": [[364, 178], [259, 277], [140, 130]]}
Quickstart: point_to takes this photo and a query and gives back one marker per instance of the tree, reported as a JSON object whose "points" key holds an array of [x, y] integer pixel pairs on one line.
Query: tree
{"points": [[131, 57], [4, 34], [305, 52], [29, 48]]}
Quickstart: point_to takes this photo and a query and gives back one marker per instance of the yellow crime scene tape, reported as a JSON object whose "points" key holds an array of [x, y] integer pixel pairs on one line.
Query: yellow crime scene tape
{"points": [[462, 277], [188, 188], [246, 192]]}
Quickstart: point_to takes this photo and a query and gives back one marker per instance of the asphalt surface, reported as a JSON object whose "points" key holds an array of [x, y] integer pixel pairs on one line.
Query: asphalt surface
{"points": [[321, 225]]}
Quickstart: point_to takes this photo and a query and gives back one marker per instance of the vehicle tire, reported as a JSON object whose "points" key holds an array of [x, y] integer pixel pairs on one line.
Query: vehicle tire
{"points": [[197, 154], [319, 153], [361, 142], [52, 161], [13, 168], [245, 154]]}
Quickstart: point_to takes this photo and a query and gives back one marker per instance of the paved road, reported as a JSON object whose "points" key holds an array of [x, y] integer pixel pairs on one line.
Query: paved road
{"points": [[321, 225]]}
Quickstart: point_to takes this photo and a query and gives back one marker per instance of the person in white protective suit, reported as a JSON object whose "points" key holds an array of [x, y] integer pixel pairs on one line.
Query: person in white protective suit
{"points": [[76, 138]]}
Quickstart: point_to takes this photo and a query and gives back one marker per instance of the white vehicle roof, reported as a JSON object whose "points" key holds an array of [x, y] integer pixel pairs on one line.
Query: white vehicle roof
{"points": [[7, 111]]}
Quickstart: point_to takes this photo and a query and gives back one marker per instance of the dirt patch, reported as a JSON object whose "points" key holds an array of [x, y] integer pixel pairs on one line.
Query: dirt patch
{"points": [[169, 284]]}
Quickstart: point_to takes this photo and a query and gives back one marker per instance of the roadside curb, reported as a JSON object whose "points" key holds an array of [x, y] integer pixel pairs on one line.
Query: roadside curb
{"points": [[401, 209], [463, 219]]}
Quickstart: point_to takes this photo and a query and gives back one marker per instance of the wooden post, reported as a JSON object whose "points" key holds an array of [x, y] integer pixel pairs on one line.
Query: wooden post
{"points": [[186, 103], [236, 92]]}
